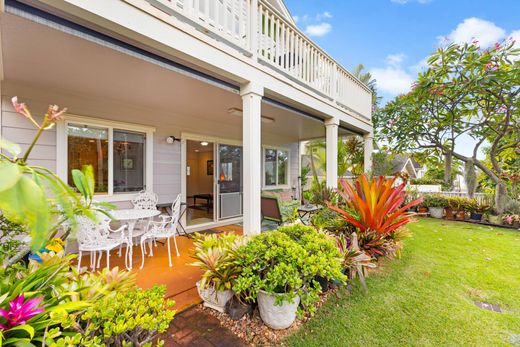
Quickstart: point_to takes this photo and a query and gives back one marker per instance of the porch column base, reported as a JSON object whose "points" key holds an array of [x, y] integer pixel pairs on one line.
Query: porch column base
{"points": [[331, 129], [252, 94]]}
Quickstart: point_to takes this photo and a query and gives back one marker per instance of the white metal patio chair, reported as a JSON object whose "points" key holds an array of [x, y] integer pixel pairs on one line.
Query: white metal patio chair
{"points": [[144, 200], [97, 236], [166, 228]]}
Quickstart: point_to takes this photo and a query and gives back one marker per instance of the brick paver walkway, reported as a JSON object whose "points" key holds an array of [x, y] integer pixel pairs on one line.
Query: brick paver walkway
{"points": [[194, 327]]}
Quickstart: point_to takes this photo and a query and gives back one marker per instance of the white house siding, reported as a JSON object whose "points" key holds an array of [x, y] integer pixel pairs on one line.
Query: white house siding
{"points": [[167, 157], [16, 128]]}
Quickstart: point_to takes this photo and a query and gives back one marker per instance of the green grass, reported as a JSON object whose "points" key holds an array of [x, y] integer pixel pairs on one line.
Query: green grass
{"points": [[426, 298]]}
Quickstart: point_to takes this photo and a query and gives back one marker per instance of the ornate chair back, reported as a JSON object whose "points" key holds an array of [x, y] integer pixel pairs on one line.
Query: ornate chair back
{"points": [[145, 200]]}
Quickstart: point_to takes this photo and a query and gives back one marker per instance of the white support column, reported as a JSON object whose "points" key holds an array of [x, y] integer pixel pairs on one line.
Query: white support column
{"points": [[331, 127], [369, 149], [252, 155]]}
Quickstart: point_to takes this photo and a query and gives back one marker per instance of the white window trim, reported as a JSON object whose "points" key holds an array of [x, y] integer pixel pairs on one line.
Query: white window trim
{"points": [[62, 150], [277, 186]]}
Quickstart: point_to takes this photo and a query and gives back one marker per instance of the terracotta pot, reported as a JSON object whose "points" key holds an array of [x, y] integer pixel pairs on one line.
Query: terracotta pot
{"points": [[277, 316], [422, 210], [461, 215], [449, 213]]}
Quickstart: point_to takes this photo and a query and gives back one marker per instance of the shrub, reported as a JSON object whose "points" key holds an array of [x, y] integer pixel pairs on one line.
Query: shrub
{"points": [[11, 238], [376, 204], [435, 200], [426, 181], [286, 262], [332, 221], [132, 318]]}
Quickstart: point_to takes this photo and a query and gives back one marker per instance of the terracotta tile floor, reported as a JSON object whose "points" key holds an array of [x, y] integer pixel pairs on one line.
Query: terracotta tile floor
{"points": [[179, 279]]}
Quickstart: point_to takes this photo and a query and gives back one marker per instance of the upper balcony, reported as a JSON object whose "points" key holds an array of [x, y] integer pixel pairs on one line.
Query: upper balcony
{"points": [[258, 30]]}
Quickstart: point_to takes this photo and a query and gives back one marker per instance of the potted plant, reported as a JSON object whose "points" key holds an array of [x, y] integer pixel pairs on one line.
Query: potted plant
{"points": [[477, 210], [452, 205], [495, 219], [215, 255], [459, 206], [279, 270], [436, 204]]}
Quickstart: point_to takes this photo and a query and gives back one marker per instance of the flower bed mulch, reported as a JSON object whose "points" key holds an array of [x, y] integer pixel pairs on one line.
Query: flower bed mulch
{"points": [[252, 330]]}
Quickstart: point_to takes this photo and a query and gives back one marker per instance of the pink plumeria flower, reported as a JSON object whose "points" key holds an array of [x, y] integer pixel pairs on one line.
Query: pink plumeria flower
{"points": [[20, 107], [20, 312], [509, 219]]}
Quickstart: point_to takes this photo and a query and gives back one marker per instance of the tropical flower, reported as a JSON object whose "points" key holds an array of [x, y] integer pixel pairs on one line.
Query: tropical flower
{"points": [[55, 245], [20, 312]]}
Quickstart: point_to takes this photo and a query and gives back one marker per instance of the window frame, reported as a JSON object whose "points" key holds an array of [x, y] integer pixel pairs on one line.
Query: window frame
{"points": [[287, 174], [62, 151]]}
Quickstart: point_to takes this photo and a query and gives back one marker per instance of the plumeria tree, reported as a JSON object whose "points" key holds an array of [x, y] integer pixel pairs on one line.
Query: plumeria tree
{"points": [[466, 93]]}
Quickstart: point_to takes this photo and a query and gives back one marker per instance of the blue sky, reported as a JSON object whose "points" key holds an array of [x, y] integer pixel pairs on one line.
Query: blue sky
{"points": [[393, 37]]}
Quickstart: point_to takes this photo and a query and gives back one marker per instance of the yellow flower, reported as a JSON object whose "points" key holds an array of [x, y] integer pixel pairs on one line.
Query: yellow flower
{"points": [[55, 245]]}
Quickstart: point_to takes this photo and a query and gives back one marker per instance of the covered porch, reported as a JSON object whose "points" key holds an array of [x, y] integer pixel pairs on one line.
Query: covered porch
{"points": [[120, 96]]}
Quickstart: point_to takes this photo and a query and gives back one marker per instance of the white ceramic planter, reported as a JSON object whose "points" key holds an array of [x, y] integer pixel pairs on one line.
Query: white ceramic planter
{"points": [[277, 316], [213, 299], [436, 212]]}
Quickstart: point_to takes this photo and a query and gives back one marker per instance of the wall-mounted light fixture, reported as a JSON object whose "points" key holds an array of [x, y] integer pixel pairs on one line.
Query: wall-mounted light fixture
{"points": [[171, 139]]}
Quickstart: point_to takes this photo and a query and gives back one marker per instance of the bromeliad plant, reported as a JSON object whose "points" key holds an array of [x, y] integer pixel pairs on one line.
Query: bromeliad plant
{"points": [[378, 205], [216, 255]]}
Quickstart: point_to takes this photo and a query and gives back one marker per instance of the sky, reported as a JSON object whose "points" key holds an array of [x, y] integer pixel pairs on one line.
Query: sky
{"points": [[392, 38]]}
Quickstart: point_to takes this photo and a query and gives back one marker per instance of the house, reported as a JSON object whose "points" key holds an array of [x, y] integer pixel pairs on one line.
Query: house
{"points": [[208, 99], [406, 164]]}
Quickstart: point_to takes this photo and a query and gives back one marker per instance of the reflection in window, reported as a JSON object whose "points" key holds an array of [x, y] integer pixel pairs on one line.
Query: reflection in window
{"points": [[276, 167], [270, 167], [129, 161], [88, 146], [283, 159]]}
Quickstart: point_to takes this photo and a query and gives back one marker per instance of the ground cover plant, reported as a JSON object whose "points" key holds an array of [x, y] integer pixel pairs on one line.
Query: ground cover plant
{"points": [[427, 297]]}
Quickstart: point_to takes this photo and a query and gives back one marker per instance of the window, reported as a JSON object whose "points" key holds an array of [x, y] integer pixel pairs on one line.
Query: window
{"points": [[276, 167], [121, 157]]}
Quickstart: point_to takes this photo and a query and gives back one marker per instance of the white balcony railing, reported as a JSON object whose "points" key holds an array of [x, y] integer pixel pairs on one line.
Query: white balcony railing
{"points": [[278, 42]]}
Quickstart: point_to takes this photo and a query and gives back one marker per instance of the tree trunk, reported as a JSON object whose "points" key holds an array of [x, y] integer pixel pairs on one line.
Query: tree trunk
{"points": [[500, 197], [448, 161], [470, 177]]}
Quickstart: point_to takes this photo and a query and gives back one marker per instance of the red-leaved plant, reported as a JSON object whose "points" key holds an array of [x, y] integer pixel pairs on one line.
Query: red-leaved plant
{"points": [[376, 203]]}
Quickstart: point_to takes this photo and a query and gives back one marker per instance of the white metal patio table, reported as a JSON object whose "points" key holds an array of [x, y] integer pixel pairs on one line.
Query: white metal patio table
{"points": [[130, 218]]}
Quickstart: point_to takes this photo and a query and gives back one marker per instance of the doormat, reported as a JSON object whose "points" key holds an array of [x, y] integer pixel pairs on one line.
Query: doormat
{"points": [[488, 306]]}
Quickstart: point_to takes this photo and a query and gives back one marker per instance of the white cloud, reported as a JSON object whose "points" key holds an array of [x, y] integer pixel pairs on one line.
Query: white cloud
{"points": [[318, 30], [326, 15], [393, 79], [485, 32], [296, 19], [515, 35]]}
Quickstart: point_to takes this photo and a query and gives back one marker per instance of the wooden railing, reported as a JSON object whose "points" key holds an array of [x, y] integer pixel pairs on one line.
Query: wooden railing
{"points": [[277, 42]]}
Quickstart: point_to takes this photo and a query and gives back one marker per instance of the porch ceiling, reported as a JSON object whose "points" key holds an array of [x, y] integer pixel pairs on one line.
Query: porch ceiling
{"points": [[41, 57]]}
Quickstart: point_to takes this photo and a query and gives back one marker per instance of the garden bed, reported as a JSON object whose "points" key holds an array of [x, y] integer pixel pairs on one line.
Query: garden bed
{"points": [[251, 329]]}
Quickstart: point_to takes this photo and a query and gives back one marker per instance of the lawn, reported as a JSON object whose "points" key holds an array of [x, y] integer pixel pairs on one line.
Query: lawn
{"points": [[427, 297]]}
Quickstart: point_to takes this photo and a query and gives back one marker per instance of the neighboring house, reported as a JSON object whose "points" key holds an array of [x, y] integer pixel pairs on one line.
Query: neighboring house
{"points": [[405, 164], [208, 99]]}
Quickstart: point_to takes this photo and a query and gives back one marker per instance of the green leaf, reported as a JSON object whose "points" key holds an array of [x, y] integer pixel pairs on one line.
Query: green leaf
{"points": [[10, 173], [24, 328], [25, 203], [88, 171], [80, 182], [10, 147]]}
